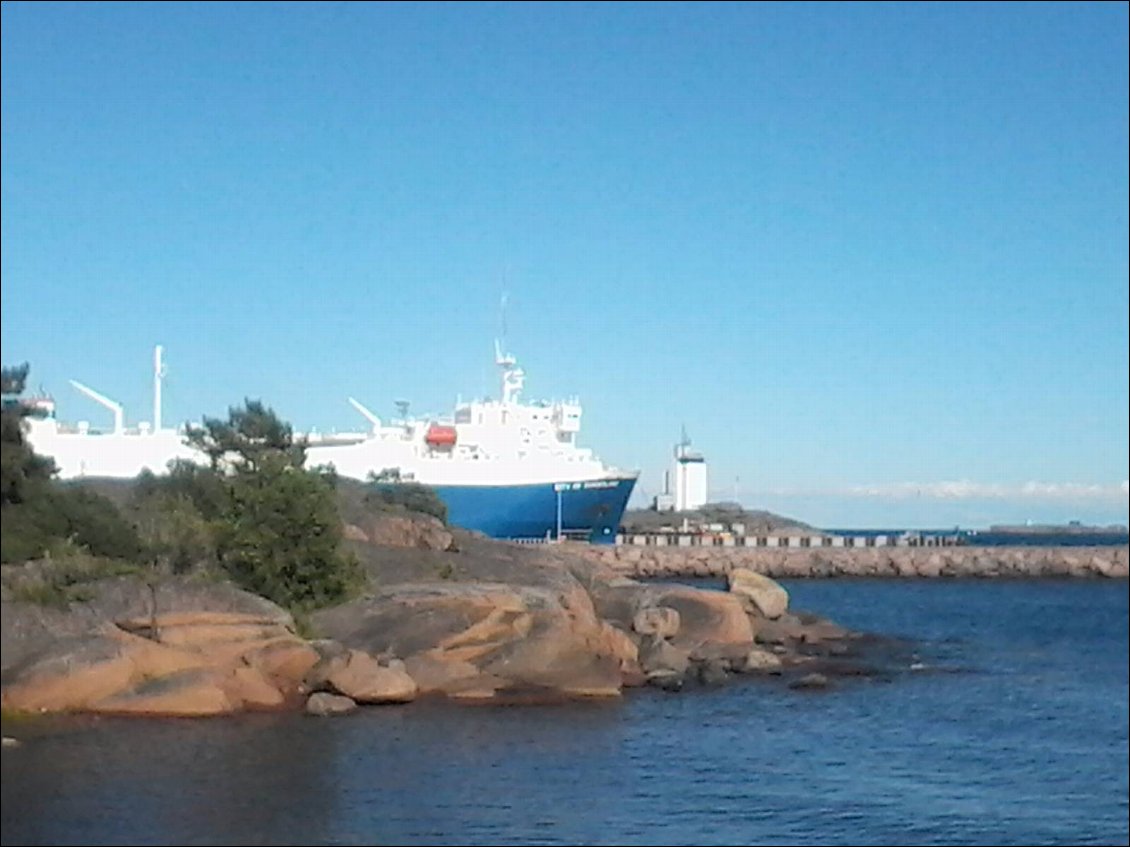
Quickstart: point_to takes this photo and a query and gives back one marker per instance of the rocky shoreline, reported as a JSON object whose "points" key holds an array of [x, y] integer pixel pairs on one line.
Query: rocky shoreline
{"points": [[473, 621], [822, 562], [450, 615]]}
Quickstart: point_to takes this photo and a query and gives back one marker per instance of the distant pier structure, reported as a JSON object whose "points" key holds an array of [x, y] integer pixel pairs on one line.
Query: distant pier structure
{"points": [[722, 538]]}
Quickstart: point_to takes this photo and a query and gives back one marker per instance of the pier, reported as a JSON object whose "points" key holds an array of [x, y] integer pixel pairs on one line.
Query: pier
{"points": [[876, 560], [701, 539]]}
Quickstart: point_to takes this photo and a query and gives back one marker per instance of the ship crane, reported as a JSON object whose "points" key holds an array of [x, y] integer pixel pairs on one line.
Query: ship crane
{"points": [[116, 408], [369, 416]]}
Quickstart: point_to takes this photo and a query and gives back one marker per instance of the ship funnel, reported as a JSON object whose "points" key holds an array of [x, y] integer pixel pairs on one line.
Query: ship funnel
{"points": [[369, 416], [116, 408]]}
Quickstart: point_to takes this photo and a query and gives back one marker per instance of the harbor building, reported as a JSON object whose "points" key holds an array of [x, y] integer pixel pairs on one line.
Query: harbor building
{"points": [[690, 483]]}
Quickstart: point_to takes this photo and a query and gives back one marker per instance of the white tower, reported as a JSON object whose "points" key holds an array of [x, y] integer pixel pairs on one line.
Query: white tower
{"points": [[690, 477]]}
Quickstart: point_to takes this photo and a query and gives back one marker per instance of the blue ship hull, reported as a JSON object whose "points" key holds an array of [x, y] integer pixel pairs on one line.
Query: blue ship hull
{"points": [[581, 510]]}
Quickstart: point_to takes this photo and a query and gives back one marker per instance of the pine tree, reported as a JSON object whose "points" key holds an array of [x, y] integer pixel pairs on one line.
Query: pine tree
{"points": [[279, 534]]}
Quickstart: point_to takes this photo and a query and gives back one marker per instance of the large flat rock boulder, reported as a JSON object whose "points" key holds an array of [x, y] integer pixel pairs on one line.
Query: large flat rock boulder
{"points": [[487, 639], [202, 648], [691, 618], [395, 530], [362, 678]]}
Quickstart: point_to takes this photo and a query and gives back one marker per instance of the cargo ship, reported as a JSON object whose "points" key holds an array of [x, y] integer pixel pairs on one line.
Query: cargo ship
{"points": [[504, 467]]}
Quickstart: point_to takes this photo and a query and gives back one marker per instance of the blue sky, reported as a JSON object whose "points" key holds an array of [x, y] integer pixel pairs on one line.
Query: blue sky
{"points": [[873, 257]]}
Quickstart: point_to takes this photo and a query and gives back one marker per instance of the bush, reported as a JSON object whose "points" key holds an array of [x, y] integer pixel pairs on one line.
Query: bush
{"points": [[59, 514], [271, 525], [282, 539], [174, 534], [278, 531], [409, 495], [39, 514], [64, 577]]}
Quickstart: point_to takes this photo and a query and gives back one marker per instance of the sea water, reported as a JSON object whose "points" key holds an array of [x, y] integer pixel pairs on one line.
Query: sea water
{"points": [[1001, 719]]}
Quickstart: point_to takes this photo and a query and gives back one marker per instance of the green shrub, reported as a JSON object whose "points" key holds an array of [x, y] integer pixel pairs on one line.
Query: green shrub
{"points": [[65, 576], [278, 531], [282, 537], [63, 513], [174, 535], [408, 495]]}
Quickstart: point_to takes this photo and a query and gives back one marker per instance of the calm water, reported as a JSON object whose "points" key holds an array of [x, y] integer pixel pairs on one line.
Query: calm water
{"points": [[1014, 732]]}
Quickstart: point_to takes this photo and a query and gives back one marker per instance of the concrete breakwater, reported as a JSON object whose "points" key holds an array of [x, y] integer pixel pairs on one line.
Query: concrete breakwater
{"points": [[819, 562]]}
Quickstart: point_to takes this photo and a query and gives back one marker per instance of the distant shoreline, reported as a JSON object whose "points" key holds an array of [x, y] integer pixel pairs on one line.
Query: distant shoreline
{"points": [[1053, 529]]}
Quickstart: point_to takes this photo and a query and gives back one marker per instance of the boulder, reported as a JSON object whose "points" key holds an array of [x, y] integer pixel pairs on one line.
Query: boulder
{"points": [[190, 693], [662, 621], [323, 704], [363, 679], [763, 594], [810, 681], [460, 637], [435, 672], [759, 661], [667, 680], [409, 530], [711, 671], [660, 655], [179, 647], [705, 617]]}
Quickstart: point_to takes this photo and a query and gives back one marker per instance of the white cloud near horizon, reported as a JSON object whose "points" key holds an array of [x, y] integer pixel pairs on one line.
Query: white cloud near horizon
{"points": [[969, 490]]}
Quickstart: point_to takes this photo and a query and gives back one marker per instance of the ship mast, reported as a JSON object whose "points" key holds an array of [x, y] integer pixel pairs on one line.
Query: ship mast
{"points": [[158, 375], [513, 377]]}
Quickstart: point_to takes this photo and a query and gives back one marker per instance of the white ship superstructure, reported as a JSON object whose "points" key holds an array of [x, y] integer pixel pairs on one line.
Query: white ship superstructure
{"points": [[82, 450], [503, 442], [505, 467]]}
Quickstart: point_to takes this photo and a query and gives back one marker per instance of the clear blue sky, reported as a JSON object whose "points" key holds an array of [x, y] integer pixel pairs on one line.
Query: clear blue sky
{"points": [[874, 257]]}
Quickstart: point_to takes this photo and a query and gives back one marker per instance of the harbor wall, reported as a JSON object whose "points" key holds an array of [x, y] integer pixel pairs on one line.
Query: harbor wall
{"points": [[800, 539], [880, 561]]}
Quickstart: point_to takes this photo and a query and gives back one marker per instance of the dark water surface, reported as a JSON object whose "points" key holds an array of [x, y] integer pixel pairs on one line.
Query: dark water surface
{"points": [[1007, 726]]}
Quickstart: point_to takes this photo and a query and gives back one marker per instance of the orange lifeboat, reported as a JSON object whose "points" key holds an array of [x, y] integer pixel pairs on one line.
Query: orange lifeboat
{"points": [[440, 436]]}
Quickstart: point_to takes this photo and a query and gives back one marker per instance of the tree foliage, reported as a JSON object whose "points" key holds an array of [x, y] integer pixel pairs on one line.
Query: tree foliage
{"points": [[176, 537], [282, 539], [22, 472], [252, 438], [39, 514], [200, 486], [387, 489], [66, 516], [278, 528], [270, 524]]}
